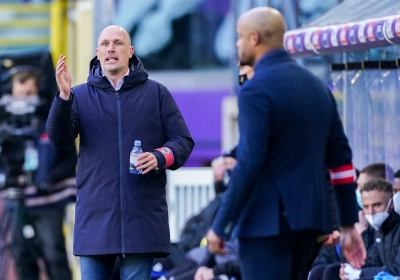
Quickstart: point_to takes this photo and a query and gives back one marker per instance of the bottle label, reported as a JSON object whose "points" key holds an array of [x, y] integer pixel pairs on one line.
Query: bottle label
{"points": [[133, 158], [31, 160]]}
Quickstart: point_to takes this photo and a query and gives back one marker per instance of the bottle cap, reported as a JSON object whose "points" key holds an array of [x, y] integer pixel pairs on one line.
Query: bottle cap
{"points": [[138, 143]]}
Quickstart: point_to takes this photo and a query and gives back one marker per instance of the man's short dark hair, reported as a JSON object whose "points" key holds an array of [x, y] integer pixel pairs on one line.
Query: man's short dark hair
{"points": [[230, 153], [25, 72], [375, 170], [378, 184], [397, 174]]}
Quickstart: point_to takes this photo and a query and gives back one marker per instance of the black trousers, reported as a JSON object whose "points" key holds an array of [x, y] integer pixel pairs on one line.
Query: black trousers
{"points": [[288, 256], [48, 243]]}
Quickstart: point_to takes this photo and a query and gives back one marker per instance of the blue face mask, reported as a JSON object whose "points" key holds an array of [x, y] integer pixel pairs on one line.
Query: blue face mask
{"points": [[358, 197]]}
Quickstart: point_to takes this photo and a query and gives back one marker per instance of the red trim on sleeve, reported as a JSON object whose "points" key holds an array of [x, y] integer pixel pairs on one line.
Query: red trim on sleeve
{"points": [[342, 175], [346, 167], [44, 138], [169, 156]]}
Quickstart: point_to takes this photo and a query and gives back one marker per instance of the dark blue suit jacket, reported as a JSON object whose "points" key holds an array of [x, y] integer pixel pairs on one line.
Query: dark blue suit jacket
{"points": [[290, 135]]}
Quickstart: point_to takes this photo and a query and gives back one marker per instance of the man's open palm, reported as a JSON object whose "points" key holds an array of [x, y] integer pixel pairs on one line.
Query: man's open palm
{"points": [[353, 247], [63, 78]]}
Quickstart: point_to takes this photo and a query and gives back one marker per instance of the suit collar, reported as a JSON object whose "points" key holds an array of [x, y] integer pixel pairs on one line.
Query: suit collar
{"points": [[272, 57]]}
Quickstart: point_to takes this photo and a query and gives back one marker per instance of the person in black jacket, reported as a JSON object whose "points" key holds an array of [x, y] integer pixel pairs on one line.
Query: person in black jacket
{"points": [[327, 264], [377, 202], [195, 229], [220, 267], [39, 233], [198, 262]]}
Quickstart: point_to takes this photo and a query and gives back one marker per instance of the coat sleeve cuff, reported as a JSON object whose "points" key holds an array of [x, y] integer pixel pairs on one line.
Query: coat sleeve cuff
{"points": [[223, 232], [343, 181], [160, 161], [71, 97], [168, 155]]}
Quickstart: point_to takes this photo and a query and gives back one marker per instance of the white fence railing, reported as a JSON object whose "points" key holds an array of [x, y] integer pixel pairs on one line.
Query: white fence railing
{"points": [[188, 191]]}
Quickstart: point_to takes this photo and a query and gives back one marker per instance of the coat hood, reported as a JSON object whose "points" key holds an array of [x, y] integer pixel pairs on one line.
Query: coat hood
{"points": [[137, 74]]}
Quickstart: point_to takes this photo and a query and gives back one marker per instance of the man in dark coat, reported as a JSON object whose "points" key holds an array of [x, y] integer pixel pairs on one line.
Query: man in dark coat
{"points": [[290, 134], [118, 213]]}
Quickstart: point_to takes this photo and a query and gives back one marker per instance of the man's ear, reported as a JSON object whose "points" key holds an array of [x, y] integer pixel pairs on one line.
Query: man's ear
{"points": [[131, 51], [254, 38], [97, 53]]}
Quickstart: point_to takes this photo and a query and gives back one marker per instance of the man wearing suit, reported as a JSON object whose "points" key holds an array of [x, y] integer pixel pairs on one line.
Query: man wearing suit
{"points": [[290, 135]]}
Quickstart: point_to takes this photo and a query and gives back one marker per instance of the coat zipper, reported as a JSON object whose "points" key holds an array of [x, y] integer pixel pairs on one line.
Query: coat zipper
{"points": [[121, 194]]}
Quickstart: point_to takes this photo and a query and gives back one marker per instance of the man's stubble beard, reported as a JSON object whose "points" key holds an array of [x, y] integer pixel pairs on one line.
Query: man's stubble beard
{"points": [[247, 61], [115, 71]]}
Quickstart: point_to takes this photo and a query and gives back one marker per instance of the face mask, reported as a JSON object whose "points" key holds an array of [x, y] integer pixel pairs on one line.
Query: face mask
{"points": [[358, 197], [396, 202], [376, 220], [227, 176], [219, 187], [242, 79]]}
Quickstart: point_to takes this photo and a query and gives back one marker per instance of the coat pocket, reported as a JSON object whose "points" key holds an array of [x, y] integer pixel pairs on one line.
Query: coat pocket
{"points": [[81, 175]]}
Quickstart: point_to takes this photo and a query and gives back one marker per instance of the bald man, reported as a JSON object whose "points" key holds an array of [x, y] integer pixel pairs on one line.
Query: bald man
{"points": [[119, 214], [290, 135]]}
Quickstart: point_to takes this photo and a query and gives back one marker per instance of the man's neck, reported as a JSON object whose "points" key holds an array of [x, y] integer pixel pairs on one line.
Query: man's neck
{"points": [[263, 50], [115, 78]]}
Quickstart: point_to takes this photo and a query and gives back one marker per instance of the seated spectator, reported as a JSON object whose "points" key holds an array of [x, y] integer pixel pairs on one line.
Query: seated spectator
{"points": [[197, 226], [219, 270], [376, 196], [375, 170], [327, 264], [200, 264], [326, 256]]}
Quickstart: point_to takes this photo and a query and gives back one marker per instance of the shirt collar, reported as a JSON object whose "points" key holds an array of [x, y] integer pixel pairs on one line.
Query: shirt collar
{"points": [[119, 83]]}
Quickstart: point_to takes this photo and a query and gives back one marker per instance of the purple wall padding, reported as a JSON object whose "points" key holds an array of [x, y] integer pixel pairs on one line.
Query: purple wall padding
{"points": [[202, 113], [351, 36]]}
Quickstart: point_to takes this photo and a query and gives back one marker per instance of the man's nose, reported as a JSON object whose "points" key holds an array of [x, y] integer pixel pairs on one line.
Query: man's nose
{"points": [[110, 47]]}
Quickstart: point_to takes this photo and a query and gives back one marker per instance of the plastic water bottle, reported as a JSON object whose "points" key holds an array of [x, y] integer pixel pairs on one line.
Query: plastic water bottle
{"points": [[31, 157], [135, 153]]}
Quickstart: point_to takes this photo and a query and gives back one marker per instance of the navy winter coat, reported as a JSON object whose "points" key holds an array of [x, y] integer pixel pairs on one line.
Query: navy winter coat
{"points": [[118, 212]]}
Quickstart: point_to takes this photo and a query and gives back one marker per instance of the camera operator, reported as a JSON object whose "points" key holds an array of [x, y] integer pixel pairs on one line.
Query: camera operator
{"points": [[52, 187]]}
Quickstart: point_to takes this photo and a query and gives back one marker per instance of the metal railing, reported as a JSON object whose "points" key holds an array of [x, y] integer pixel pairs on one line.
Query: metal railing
{"points": [[188, 191]]}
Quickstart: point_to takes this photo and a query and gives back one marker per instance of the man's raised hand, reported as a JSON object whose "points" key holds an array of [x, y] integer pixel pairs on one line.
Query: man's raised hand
{"points": [[63, 78]]}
